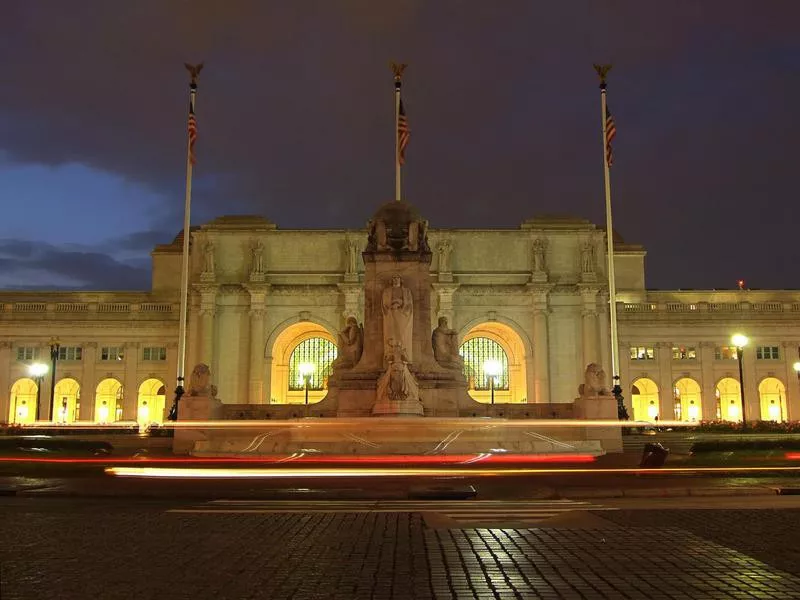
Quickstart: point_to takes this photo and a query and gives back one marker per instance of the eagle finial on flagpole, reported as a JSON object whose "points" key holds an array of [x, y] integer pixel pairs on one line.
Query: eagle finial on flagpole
{"points": [[397, 69], [602, 71], [194, 71]]}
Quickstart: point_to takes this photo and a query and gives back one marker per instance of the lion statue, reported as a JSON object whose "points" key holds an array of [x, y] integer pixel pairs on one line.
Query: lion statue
{"points": [[594, 382], [200, 382]]}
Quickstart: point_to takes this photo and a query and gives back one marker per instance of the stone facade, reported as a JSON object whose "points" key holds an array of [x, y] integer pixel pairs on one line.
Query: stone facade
{"points": [[540, 288]]}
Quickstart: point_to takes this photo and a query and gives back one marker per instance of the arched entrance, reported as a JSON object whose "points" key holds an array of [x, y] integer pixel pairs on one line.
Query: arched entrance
{"points": [[729, 400], [644, 397], [108, 401], [67, 398], [150, 402], [686, 395], [301, 350], [494, 348], [772, 394], [23, 401]]}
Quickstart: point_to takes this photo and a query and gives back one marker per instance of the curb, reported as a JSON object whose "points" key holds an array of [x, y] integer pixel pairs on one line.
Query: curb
{"points": [[706, 492]]}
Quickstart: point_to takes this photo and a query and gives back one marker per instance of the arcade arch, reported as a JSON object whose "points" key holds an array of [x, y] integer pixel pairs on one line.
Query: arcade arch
{"points": [[772, 396], [729, 399], [299, 344], [495, 342], [108, 401], [22, 408], [150, 402], [67, 399], [686, 396], [644, 397]]}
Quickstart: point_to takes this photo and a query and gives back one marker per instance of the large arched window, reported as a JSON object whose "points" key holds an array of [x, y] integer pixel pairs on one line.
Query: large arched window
{"points": [[317, 354], [479, 351]]}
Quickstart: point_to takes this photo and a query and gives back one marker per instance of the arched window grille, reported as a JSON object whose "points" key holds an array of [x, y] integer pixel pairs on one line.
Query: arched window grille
{"points": [[476, 352], [319, 353]]}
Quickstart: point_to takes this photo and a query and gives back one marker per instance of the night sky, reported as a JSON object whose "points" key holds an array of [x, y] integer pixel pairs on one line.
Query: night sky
{"points": [[295, 114]]}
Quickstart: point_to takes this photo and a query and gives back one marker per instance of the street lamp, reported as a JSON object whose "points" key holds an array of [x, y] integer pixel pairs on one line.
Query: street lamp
{"points": [[740, 341], [37, 371], [55, 346], [306, 370], [492, 368]]}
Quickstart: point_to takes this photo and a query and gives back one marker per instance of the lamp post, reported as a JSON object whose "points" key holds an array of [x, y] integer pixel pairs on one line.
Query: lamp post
{"points": [[37, 371], [740, 341], [492, 368], [55, 346], [306, 370]]}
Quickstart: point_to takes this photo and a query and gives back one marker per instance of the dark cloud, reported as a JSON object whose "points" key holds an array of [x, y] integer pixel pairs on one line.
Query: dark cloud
{"points": [[28, 265], [295, 113]]}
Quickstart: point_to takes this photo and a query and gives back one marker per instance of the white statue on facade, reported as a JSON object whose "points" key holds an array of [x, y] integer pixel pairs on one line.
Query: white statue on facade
{"points": [[352, 256], [398, 315], [351, 344], [587, 258], [208, 255], [257, 258], [539, 246], [444, 248], [445, 346]]}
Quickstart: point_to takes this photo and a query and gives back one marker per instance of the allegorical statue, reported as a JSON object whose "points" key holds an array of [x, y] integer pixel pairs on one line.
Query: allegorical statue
{"points": [[538, 255], [257, 258], [352, 256], [351, 344], [587, 258], [208, 254], [444, 248], [397, 384], [594, 382], [445, 346], [398, 317]]}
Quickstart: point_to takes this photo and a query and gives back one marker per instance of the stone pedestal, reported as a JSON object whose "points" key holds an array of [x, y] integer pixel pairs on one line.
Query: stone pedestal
{"points": [[194, 408], [600, 408]]}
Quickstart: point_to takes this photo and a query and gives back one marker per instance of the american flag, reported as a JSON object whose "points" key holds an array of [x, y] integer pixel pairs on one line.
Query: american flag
{"points": [[403, 133], [192, 133], [611, 132]]}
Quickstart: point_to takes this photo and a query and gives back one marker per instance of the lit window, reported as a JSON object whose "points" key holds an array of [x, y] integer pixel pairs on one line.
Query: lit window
{"points": [[767, 353], [317, 352], [27, 353], [684, 353], [479, 351], [154, 353], [725, 353], [111, 353], [70, 353], [642, 353]]}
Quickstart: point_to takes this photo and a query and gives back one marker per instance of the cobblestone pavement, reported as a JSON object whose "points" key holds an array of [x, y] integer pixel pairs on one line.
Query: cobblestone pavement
{"points": [[772, 536], [115, 551]]}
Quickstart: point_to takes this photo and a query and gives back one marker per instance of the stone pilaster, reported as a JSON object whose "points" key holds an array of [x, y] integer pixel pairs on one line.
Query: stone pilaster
{"points": [[790, 356], [130, 383], [666, 396], [589, 327], [541, 345], [88, 382], [257, 371], [5, 383], [708, 401]]}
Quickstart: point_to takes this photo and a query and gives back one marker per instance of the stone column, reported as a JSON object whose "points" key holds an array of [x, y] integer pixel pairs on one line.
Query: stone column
{"points": [[666, 399], [257, 370], [5, 383], [790, 356], [604, 325], [589, 329], [353, 295], [130, 382], [444, 303], [541, 346], [625, 380], [708, 400], [208, 306], [88, 382]]}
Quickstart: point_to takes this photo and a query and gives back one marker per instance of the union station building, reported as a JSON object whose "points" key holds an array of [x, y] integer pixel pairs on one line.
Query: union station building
{"points": [[266, 305]]}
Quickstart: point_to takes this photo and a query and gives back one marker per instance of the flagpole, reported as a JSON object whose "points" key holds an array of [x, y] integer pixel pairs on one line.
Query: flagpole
{"points": [[398, 82], [194, 71], [622, 413]]}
